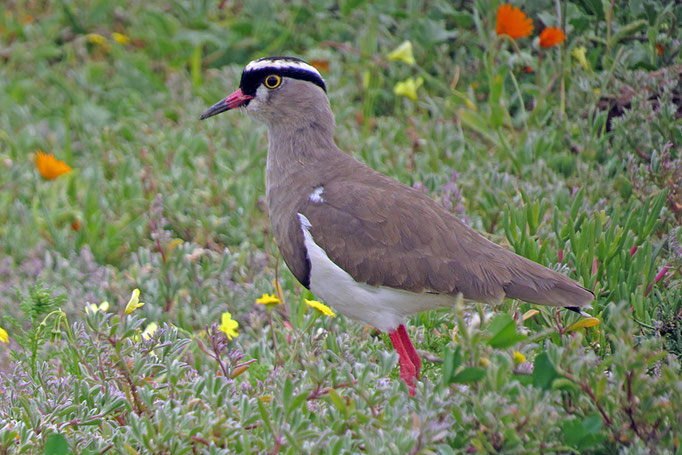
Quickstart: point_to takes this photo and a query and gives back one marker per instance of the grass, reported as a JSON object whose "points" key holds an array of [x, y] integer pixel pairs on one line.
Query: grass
{"points": [[571, 161]]}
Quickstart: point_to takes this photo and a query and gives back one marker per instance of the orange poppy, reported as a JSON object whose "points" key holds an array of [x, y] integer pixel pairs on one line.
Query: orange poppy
{"points": [[512, 22], [551, 36], [50, 167]]}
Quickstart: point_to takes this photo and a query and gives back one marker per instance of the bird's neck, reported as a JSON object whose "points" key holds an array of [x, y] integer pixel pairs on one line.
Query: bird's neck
{"points": [[302, 143], [298, 148]]}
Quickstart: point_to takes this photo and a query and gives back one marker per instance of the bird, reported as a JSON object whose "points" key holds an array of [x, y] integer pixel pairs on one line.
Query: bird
{"points": [[375, 249]]}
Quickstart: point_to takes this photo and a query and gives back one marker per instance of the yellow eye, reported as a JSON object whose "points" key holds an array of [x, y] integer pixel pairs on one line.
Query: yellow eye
{"points": [[272, 81]]}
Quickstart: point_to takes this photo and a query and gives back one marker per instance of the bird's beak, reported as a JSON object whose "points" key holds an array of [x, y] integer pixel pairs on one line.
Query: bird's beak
{"points": [[237, 99]]}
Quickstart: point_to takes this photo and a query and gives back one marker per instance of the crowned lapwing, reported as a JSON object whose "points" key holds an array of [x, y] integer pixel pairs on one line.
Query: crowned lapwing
{"points": [[374, 249]]}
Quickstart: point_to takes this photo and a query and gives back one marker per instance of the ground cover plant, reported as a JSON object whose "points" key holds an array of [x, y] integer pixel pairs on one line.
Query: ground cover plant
{"points": [[144, 307]]}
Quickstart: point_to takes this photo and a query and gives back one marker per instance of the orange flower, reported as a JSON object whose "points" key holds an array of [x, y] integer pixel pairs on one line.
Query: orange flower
{"points": [[659, 50], [50, 167], [320, 65], [551, 36], [512, 22]]}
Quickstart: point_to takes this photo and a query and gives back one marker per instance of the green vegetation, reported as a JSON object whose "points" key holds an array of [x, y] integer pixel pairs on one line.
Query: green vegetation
{"points": [[570, 155]]}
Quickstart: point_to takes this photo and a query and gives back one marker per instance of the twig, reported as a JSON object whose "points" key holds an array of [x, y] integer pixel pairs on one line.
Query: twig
{"points": [[628, 409]]}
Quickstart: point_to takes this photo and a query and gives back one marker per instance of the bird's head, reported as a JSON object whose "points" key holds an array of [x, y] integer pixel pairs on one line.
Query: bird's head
{"points": [[277, 90]]}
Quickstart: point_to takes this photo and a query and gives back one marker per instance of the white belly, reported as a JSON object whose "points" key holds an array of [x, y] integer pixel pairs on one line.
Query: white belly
{"points": [[379, 306]]}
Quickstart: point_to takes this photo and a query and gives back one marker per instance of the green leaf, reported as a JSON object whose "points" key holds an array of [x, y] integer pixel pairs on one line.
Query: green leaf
{"points": [[654, 216], [339, 403], [592, 424], [470, 374], [577, 204], [583, 434], [592, 7], [195, 66], [347, 6], [56, 445], [287, 392], [503, 331], [73, 21], [462, 19], [476, 122], [265, 416], [573, 432], [451, 362], [564, 384], [544, 372], [629, 29], [296, 403]]}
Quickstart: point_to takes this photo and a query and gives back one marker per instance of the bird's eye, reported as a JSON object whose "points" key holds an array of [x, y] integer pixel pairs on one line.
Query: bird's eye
{"points": [[272, 81]]}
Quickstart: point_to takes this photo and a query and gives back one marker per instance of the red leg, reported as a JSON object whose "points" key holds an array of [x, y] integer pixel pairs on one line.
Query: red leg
{"points": [[407, 344], [408, 372]]}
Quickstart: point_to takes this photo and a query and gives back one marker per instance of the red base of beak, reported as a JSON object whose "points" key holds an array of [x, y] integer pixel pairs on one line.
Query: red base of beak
{"points": [[237, 99]]}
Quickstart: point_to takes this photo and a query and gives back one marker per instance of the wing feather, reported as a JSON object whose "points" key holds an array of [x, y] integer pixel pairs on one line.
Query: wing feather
{"points": [[387, 234]]}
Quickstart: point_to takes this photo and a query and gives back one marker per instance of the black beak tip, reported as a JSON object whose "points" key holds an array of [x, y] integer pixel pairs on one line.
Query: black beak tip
{"points": [[216, 109]]}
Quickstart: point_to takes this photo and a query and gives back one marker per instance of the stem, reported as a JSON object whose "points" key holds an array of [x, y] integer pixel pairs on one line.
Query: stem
{"points": [[629, 410], [518, 93], [300, 335], [562, 89], [274, 340], [557, 319], [585, 387]]}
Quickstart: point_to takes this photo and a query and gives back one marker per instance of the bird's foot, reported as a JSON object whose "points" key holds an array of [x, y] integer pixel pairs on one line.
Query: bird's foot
{"points": [[411, 351], [410, 364], [408, 374]]}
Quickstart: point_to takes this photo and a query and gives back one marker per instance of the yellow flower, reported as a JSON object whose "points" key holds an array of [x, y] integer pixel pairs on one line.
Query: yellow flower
{"points": [[408, 88], [134, 302], [470, 104], [579, 54], [403, 53], [529, 314], [321, 307], [149, 330], [519, 358], [50, 167], [93, 308], [229, 326], [268, 300], [96, 38], [512, 22], [120, 38], [173, 244], [484, 362], [98, 41], [584, 323], [551, 36], [4, 337]]}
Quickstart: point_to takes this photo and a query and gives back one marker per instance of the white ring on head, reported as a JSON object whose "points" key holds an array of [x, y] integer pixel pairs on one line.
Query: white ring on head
{"points": [[280, 64]]}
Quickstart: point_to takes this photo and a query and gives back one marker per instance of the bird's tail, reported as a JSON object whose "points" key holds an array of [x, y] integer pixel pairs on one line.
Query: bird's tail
{"points": [[535, 283]]}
